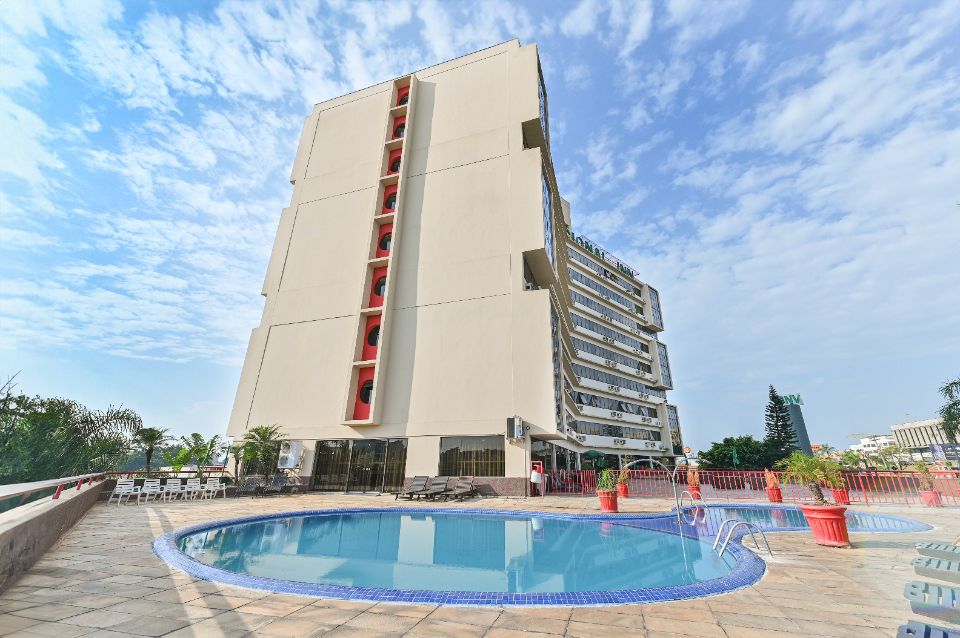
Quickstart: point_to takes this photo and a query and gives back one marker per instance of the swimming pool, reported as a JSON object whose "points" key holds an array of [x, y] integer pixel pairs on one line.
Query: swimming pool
{"points": [[486, 557], [472, 557]]}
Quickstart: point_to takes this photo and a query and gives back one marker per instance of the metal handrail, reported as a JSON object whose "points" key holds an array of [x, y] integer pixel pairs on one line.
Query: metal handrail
{"points": [[673, 478], [750, 527], [720, 529], [24, 490]]}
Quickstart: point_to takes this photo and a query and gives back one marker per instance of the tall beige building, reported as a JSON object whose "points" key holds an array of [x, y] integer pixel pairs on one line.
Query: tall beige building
{"points": [[424, 288]]}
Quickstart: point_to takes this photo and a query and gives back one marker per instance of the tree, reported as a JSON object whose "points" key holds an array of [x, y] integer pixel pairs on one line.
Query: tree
{"points": [[781, 440], [826, 450], [202, 451], [749, 453], [240, 452], [148, 439], [950, 412], [893, 453], [814, 471], [264, 443], [45, 438], [851, 459]]}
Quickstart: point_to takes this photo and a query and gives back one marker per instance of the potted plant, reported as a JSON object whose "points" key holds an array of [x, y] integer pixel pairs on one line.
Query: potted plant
{"points": [[607, 492], [693, 483], [774, 493], [928, 494], [828, 522], [839, 489], [623, 488]]}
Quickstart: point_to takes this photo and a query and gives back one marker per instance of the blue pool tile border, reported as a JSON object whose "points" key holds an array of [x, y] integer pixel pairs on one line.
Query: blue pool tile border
{"points": [[748, 568]]}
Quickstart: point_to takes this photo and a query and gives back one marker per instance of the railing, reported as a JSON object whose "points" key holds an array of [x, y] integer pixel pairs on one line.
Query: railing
{"points": [[26, 490], [863, 486]]}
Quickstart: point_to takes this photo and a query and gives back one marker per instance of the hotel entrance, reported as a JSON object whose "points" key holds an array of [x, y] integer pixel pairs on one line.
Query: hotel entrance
{"points": [[360, 465]]}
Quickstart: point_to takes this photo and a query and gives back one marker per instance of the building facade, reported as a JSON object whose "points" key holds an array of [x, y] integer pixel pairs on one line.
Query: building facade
{"points": [[919, 434], [425, 288], [870, 445]]}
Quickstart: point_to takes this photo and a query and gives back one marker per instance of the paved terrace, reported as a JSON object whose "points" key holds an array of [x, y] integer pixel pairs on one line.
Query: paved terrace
{"points": [[103, 580]]}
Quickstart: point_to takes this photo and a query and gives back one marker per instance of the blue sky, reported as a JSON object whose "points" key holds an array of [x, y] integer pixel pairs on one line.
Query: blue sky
{"points": [[787, 174]]}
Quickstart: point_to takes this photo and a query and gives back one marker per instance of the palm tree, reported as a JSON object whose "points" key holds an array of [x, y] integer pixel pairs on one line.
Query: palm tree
{"points": [[826, 450], [851, 459], [203, 451], [950, 412], [240, 453], [148, 439], [264, 443]]}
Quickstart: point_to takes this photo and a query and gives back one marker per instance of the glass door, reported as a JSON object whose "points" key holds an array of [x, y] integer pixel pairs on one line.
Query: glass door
{"points": [[330, 469], [396, 465], [366, 465]]}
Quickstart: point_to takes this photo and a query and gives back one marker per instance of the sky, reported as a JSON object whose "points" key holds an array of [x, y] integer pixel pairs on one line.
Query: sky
{"points": [[786, 174]]}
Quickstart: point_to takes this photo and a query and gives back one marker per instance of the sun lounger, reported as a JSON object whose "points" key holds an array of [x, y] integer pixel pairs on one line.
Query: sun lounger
{"points": [[123, 491], [418, 485], [461, 490], [212, 487], [151, 489], [437, 487], [193, 488], [172, 488], [251, 485]]}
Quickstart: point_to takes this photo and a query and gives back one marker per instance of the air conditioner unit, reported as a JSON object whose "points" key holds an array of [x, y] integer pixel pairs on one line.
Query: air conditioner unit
{"points": [[619, 441], [581, 438], [515, 429], [290, 453]]}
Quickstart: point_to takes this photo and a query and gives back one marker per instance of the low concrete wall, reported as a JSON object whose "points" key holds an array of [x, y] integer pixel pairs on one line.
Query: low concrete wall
{"points": [[27, 532]]}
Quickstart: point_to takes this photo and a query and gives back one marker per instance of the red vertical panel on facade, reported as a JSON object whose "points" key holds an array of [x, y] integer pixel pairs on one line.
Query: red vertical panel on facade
{"points": [[387, 192], [385, 229], [369, 352], [401, 93], [361, 410], [394, 156], [376, 300], [398, 121]]}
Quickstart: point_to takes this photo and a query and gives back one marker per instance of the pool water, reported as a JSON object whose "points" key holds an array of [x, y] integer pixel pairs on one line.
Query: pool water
{"points": [[458, 552], [772, 518]]}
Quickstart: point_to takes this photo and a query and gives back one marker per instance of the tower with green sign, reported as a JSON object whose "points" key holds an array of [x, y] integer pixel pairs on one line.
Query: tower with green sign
{"points": [[794, 402]]}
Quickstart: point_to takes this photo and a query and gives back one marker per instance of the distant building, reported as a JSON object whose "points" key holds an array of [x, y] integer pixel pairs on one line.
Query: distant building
{"points": [[794, 402], [870, 445], [925, 438]]}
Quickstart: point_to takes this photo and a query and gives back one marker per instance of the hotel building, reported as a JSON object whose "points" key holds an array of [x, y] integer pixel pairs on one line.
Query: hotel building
{"points": [[426, 288]]}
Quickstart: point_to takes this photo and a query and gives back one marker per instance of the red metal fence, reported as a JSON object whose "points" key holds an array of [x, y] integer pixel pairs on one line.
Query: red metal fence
{"points": [[862, 486]]}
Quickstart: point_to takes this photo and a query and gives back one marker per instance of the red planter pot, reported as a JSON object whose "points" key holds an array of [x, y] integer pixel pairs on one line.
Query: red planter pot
{"points": [[841, 497], [608, 501], [828, 524], [623, 490], [694, 491], [931, 498], [775, 494]]}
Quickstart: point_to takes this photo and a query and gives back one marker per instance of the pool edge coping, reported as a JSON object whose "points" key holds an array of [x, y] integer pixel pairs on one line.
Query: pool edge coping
{"points": [[747, 570]]}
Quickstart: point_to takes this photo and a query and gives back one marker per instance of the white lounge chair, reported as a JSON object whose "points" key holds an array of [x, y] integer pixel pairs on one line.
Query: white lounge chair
{"points": [[193, 488], [151, 489], [172, 488], [124, 489], [212, 487]]}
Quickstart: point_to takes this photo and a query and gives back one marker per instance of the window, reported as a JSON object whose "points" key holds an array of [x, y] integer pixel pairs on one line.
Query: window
{"points": [[385, 241], [373, 337], [393, 161], [380, 287], [395, 164], [403, 95], [399, 126], [471, 456], [390, 203], [366, 389]]}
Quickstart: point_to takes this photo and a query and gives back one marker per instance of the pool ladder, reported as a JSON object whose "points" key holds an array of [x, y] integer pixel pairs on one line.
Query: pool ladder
{"points": [[735, 523], [693, 499]]}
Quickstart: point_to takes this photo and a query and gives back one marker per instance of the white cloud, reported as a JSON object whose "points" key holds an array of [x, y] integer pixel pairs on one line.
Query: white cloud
{"points": [[582, 19], [695, 21], [577, 75], [750, 55]]}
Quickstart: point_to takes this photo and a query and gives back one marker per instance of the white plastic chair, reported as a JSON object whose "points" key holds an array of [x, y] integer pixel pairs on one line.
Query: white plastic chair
{"points": [[172, 488], [212, 487], [193, 488], [151, 489], [124, 489]]}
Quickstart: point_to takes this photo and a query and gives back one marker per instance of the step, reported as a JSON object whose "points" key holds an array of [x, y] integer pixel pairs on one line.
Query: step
{"points": [[939, 550], [937, 601], [918, 629], [948, 570]]}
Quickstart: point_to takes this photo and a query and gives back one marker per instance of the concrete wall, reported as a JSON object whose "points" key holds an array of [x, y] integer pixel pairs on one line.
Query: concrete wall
{"points": [[27, 532]]}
